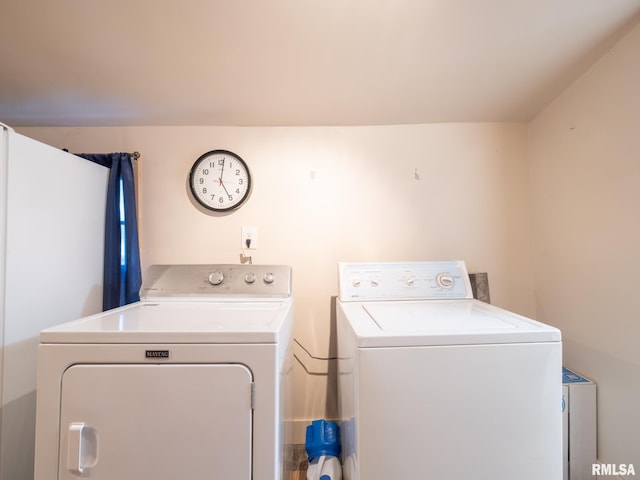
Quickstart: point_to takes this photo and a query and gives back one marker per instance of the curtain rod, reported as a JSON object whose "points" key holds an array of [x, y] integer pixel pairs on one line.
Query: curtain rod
{"points": [[134, 156]]}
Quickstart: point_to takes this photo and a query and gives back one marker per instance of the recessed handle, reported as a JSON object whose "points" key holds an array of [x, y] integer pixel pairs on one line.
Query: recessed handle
{"points": [[82, 448]]}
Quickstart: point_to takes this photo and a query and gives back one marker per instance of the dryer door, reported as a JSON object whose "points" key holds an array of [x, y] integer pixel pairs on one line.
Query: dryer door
{"points": [[132, 422]]}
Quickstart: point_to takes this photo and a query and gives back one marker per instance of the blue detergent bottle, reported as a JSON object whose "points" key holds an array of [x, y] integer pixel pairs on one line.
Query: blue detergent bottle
{"points": [[323, 448]]}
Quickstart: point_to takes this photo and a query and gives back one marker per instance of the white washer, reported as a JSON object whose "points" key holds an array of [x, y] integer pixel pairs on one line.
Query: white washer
{"points": [[434, 384], [190, 382]]}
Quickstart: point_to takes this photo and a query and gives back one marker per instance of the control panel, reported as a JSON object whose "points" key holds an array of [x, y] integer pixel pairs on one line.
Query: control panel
{"points": [[214, 281], [403, 281]]}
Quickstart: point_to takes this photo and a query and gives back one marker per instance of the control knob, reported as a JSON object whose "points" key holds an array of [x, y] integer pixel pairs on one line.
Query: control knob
{"points": [[216, 278], [268, 277], [250, 277], [445, 280]]}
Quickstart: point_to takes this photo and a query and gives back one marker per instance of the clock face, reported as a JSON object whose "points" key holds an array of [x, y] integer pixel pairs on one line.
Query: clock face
{"points": [[220, 180]]}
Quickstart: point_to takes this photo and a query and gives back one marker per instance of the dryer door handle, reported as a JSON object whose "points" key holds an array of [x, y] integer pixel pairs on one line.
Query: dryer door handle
{"points": [[82, 448]]}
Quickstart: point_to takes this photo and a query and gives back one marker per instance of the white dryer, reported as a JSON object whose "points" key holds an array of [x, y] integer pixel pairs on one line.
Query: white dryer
{"points": [[188, 383], [434, 384]]}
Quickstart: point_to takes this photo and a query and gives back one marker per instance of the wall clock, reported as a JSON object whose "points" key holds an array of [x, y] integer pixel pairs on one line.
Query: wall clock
{"points": [[220, 180]]}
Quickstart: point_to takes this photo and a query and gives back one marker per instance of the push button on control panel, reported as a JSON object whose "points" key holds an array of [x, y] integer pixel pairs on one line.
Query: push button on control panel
{"points": [[216, 278], [268, 278]]}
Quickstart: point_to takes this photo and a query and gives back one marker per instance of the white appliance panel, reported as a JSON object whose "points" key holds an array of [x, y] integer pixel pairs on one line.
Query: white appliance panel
{"points": [[133, 430], [494, 408], [436, 317], [270, 365], [52, 220], [176, 322], [441, 322]]}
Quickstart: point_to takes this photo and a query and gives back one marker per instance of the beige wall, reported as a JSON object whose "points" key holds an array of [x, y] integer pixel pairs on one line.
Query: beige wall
{"points": [[585, 164], [328, 194]]}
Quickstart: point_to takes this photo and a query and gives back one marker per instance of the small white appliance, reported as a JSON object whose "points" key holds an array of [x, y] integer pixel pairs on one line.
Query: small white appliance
{"points": [[579, 413], [190, 382], [434, 384]]}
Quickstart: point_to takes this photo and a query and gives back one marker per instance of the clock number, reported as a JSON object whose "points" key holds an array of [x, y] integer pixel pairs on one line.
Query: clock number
{"points": [[201, 180], [205, 171], [221, 161], [204, 190], [240, 181]]}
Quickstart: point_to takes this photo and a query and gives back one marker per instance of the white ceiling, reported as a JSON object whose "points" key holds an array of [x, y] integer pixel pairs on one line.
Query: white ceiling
{"points": [[295, 62]]}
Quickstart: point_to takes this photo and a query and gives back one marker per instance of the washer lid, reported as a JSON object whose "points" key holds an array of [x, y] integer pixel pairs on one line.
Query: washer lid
{"points": [[177, 322], [441, 322]]}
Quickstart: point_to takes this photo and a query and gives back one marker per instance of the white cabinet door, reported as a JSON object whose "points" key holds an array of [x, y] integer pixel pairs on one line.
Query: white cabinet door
{"points": [[160, 422]]}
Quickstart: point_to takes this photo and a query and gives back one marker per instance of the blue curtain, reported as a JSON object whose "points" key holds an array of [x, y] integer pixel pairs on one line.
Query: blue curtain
{"points": [[122, 275]]}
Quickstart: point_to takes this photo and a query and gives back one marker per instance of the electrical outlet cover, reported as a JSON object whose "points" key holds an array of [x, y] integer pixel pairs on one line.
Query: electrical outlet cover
{"points": [[251, 234]]}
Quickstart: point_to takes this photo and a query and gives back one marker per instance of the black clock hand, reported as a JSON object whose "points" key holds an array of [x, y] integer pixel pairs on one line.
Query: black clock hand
{"points": [[222, 171], [222, 181], [225, 188]]}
